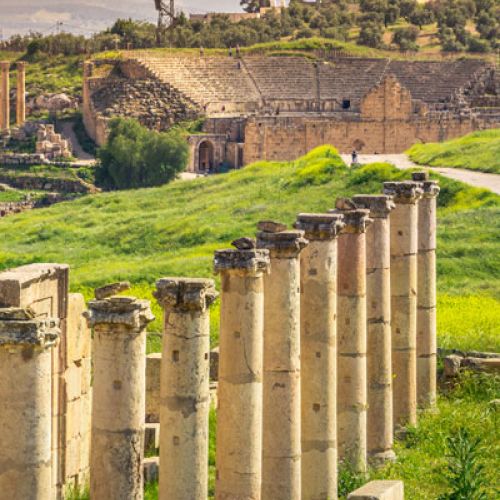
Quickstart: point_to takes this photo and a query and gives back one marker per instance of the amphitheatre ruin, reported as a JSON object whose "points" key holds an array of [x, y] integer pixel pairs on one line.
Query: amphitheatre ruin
{"points": [[279, 107]]}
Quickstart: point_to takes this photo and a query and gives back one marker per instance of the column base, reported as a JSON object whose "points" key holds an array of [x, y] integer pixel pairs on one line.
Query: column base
{"points": [[380, 458]]}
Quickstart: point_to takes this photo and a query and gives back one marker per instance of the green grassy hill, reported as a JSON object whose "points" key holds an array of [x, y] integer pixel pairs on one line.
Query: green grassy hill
{"points": [[476, 151], [173, 230]]}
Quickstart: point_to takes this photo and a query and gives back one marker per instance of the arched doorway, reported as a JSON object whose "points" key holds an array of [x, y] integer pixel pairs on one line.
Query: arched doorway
{"points": [[206, 156]]}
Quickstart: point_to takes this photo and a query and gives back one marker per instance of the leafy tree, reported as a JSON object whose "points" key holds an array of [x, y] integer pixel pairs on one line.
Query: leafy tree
{"points": [[406, 38], [371, 34], [421, 16], [135, 157], [478, 45]]}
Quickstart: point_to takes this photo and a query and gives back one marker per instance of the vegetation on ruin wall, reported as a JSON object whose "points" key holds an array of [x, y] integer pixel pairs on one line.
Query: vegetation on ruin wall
{"points": [[173, 230], [476, 151]]}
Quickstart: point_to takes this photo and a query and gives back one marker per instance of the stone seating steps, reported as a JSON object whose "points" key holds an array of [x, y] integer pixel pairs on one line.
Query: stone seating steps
{"points": [[205, 80]]}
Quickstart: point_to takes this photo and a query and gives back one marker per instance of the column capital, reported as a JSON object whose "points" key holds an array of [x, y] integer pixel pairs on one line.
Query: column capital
{"points": [[20, 327], [21, 65], [379, 205], [185, 294], [252, 260], [430, 187], [5, 65], [356, 220], [320, 227], [282, 244], [405, 193], [127, 311]]}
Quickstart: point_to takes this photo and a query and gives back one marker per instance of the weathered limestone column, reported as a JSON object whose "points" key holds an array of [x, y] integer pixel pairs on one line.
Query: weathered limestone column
{"points": [[21, 94], [118, 401], [239, 418], [404, 244], [26, 346], [281, 447], [185, 387], [378, 298], [318, 347], [4, 96], [426, 297], [351, 332]]}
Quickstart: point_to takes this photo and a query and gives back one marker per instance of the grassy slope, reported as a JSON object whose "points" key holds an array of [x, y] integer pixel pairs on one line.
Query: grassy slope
{"points": [[476, 151], [145, 234], [173, 230]]}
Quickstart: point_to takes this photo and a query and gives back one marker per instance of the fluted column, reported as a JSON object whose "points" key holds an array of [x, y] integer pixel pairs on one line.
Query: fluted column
{"points": [[351, 343], [185, 387], [426, 296], [281, 404], [4, 96], [378, 299], [118, 398], [239, 416], [26, 346], [404, 244], [21, 94], [318, 346]]}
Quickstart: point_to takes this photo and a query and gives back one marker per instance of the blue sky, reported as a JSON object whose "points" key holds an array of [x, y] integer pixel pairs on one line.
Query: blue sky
{"points": [[85, 16]]}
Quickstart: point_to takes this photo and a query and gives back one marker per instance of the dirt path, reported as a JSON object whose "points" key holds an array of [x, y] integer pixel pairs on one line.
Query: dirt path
{"points": [[476, 179], [68, 132]]}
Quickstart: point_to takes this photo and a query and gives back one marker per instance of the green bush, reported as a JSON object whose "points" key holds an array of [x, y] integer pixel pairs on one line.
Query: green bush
{"points": [[135, 157]]}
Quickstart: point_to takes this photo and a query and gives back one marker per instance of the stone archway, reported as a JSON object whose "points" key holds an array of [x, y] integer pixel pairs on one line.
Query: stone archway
{"points": [[206, 156]]}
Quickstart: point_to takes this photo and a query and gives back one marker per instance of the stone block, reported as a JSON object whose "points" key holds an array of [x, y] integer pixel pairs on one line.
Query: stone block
{"points": [[86, 366], [73, 419], [72, 457], [153, 369], [78, 343], [73, 382], [151, 469], [379, 490]]}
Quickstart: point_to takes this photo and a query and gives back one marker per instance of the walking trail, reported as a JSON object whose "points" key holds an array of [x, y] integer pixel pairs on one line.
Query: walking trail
{"points": [[472, 177], [81, 156]]}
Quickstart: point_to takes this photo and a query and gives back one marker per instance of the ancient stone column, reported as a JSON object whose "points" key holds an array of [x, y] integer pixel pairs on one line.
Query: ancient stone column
{"points": [[378, 300], [239, 416], [426, 296], [26, 346], [185, 387], [281, 447], [404, 239], [318, 346], [118, 402], [21, 94], [351, 337], [4, 96]]}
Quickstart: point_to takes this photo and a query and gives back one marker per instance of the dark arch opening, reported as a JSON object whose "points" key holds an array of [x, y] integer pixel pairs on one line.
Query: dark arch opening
{"points": [[206, 157]]}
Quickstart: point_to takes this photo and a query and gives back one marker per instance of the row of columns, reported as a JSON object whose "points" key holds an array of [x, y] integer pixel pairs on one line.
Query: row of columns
{"points": [[319, 330], [5, 95]]}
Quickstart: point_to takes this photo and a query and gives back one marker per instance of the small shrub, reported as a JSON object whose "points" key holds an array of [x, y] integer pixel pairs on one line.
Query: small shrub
{"points": [[349, 480], [464, 473]]}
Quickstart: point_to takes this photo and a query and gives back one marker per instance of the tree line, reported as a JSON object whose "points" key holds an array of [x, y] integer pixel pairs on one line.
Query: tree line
{"points": [[463, 25]]}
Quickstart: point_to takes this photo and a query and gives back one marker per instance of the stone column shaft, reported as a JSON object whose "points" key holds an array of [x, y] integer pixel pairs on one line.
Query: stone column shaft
{"points": [[21, 94], [185, 387], [404, 239], [318, 346], [281, 447], [26, 346], [378, 298], [118, 398], [239, 417], [426, 297], [351, 343], [4, 96]]}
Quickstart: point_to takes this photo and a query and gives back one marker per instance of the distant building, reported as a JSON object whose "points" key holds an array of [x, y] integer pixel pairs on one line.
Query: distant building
{"points": [[236, 17]]}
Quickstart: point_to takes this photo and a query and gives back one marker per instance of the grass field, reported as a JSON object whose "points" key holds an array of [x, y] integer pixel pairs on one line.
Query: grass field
{"points": [[476, 151], [173, 230]]}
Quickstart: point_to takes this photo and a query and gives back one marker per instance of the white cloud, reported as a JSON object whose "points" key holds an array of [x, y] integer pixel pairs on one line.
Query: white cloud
{"points": [[47, 16]]}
